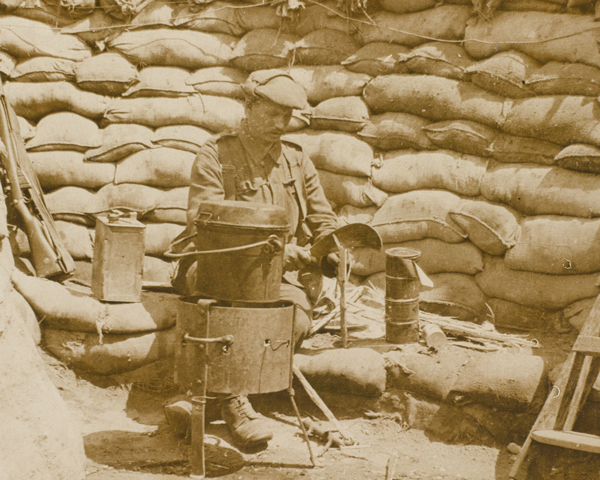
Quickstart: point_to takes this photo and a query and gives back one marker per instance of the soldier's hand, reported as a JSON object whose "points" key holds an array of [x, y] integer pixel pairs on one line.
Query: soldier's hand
{"points": [[295, 257]]}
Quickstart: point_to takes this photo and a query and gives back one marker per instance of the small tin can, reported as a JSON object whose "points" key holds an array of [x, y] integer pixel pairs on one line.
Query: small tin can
{"points": [[118, 262]]}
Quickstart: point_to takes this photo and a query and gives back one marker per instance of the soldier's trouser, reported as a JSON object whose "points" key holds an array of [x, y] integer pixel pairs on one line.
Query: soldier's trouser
{"points": [[291, 293]]}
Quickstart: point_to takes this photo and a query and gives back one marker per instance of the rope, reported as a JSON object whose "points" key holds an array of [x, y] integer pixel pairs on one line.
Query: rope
{"points": [[355, 20]]}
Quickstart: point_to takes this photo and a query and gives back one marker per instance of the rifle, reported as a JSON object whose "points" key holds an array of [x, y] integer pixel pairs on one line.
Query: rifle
{"points": [[22, 188]]}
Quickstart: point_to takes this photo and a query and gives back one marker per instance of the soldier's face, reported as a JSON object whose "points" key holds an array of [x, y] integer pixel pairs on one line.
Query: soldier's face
{"points": [[267, 121]]}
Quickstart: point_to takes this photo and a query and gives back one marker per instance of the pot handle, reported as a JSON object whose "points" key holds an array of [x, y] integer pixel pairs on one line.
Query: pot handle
{"points": [[272, 245]]}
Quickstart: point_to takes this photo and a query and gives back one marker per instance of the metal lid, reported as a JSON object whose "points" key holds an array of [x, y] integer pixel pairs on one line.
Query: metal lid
{"points": [[403, 252], [242, 215]]}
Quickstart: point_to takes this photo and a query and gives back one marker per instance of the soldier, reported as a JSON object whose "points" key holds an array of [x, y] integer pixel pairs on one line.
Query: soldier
{"points": [[256, 165]]}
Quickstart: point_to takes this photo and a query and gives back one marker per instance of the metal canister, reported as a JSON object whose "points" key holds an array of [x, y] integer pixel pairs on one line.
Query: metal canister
{"points": [[247, 349], [118, 262], [402, 288], [243, 245]]}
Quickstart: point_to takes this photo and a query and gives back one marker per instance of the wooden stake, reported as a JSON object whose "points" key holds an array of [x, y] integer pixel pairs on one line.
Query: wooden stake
{"points": [[314, 396]]}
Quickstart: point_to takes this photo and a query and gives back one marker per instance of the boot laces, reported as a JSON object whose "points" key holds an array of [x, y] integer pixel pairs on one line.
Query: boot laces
{"points": [[244, 408]]}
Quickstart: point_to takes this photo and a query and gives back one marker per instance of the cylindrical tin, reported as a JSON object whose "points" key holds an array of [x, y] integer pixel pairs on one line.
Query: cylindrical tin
{"points": [[256, 361], [401, 295], [434, 336], [243, 275]]}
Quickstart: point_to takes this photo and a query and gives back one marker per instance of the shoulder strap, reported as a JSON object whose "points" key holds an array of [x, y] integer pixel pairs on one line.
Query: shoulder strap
{"points": [[230, 156]]}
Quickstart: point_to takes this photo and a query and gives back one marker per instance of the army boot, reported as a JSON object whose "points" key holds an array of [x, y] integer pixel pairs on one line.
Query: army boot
{"points": [[247, 428]]}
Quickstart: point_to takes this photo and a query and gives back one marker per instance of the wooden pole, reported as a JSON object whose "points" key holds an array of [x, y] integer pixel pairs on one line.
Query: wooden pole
{"points": [[314, 396]]}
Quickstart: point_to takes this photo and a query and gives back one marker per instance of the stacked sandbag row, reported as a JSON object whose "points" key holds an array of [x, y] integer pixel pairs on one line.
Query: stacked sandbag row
{"points": [[456, 137], [530, 112]]}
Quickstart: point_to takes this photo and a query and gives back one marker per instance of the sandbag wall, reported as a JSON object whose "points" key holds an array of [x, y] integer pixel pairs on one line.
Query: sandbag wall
{"points": [[431, 123]]}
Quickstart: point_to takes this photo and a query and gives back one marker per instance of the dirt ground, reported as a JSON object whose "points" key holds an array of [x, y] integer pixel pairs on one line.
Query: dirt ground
{"points": [[127, 438]]}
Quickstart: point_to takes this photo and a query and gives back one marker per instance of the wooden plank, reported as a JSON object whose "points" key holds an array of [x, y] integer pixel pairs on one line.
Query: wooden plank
{"points": [[551, 411], [582, 442], [575, 403], [587, 346]]}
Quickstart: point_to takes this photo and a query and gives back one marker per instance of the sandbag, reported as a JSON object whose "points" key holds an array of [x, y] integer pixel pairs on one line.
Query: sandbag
{"points": [[161, 82], [155, 14], [44, 69], [447, 22], [575, 37], [36, 100], [77, 239], [74, 8], [407, 6], [56, 169], [182, 137], [158, 271], [121, 9], [532, 5], [405, 170], [435, 98], [345, 189], [578, 312], [416, 215], [436, 257], [454, 295], [557, 245], [41, 11], [581, 158], [335, 152], [504, 381], [262, 49], [120, 141], [71, 202], [542, 190], [106, 74], [430, 375], [174, 48], [64, 309], [441, 59], [7, 63], [325, 47], [357, 371], [519, 317], [477, 139], [39, 437], [323, 82], [65, 131], [23, 38], [219, 81], [461, 135], [159, 237], [492, 227], [504, 73], [539, 290], [171, 206], [395, 131], [348, 114], [351, 214], [516, 149], [318, 16], [117, 353], [139, 198], [560, 119], [94, 29], [26, 129], [558, 78], [157, 167], [377, 58], [227, 17], [214, 113]]}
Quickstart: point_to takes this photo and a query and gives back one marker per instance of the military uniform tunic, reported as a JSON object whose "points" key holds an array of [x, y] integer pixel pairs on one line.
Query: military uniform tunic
{"points": [[282, 175]]}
